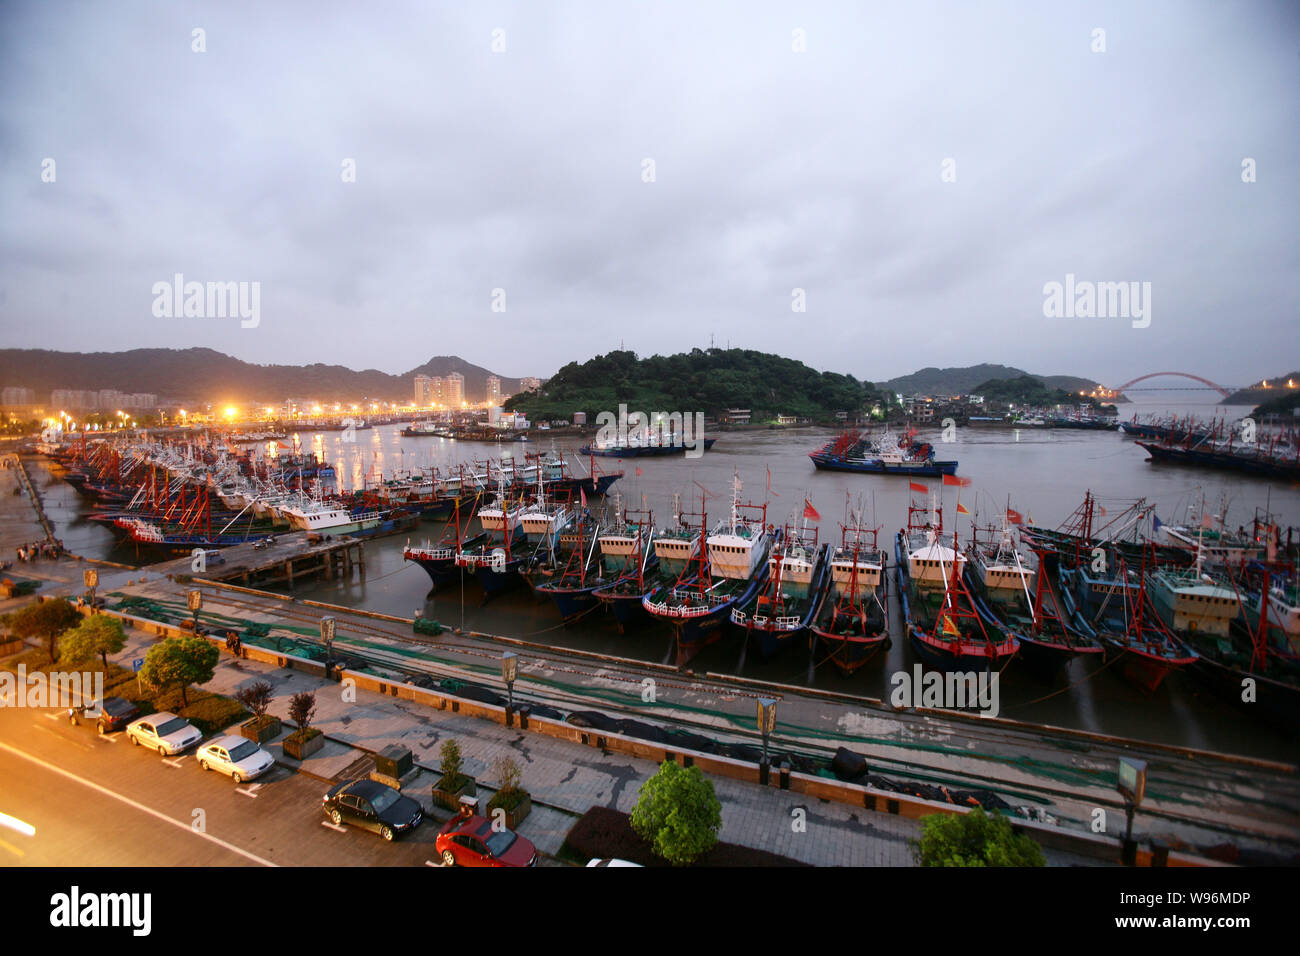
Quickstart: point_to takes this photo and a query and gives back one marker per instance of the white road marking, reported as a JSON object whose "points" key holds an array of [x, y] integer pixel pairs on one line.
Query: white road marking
{"points": [[249, 791], [51, 715], [138, 806], [431, 863], [174, 761], [107, 738], [333, 826]]}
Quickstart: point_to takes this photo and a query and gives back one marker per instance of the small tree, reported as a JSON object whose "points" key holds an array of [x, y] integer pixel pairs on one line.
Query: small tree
{"points": [[98, 634], [44, 620], [179, 661], [449, 755], [677, 812], [256, 697], [973, 839], [508, 773], [302, 708]]}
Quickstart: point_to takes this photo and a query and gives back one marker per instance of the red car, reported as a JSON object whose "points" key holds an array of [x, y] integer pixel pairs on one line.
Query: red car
{"points": [[471, 841]]}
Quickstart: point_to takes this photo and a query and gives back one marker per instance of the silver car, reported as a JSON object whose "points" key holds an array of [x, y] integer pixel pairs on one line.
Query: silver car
{"points": [[241, 759], [165, 733]]}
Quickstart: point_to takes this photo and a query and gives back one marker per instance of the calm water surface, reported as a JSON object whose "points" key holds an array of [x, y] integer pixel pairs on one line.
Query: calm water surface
{"points": [[1044, 473]]}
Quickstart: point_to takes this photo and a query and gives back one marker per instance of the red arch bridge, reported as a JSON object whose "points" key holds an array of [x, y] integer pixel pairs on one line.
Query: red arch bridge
{"points": [[1204, 383]]}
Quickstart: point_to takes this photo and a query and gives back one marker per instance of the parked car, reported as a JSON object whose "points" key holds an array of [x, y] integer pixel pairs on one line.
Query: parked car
{"points": [[110, 716], [165, 733], [472, 841], [240, 758], [372, 806]]}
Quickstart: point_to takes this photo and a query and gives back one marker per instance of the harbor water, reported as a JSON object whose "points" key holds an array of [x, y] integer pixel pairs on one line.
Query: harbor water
{"points": [[1043, 473]]}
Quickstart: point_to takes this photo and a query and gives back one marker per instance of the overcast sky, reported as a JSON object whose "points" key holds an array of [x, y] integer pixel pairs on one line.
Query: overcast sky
{"points": [[524, 170]]}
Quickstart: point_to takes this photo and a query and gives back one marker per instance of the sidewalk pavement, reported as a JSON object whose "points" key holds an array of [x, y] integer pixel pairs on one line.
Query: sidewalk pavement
{"points": [[564, 779]]}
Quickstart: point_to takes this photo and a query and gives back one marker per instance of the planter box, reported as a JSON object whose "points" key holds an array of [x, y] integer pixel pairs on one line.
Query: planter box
{"points": [[301, 749], [11, 647], [449, 799], [516, 816], [268, 730]]}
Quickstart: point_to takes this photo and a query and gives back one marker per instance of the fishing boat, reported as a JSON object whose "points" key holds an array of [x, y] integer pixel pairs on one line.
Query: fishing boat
{"points": [[1011, 591], [779, 612], [944, 627], [495, 563], [730, 565], [657, 558], [439, 560], [852, 622], [1108, 600], [637, 445], [1203, 609], [573, 588], [884, 454], [1214, 545]]}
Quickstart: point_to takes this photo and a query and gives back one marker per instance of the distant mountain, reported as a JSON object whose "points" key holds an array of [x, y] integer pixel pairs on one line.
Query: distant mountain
{"points": [[965, 380], [1265, 391], [202, 375]]}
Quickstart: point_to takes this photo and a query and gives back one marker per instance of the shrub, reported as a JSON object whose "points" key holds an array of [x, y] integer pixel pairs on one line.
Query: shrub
{"points": [[98, 634], [452, 778], [212, 712], [45, 620], [973, 839], [179, 662], [510, 794], [302, 708], [678, 813], [257, 698]]}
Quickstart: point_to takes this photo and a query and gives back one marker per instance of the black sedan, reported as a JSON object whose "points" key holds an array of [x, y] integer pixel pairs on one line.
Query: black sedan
{"points": [[112, 715], [372, 805]]}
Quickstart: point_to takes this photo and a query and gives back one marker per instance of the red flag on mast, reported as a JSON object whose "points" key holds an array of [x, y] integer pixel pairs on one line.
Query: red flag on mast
{"points": [[919, 489], [1014, 517], [809, 512], [955, 481]]}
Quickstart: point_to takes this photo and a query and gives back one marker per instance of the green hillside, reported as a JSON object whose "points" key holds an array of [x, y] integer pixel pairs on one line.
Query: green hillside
{"points": [[708, 381]]}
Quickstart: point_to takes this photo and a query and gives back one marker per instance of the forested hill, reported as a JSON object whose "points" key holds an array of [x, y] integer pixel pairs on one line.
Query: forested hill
{"points": [[708, 381]]}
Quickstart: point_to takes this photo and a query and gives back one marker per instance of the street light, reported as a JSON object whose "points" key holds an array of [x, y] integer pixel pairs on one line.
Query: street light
{"points": [[327, 638], [766, 724], [1132, 785], [509, 671]]}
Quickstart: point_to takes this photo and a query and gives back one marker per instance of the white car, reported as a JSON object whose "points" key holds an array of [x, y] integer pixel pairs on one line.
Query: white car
{"points": [[241, 759], [165, 733]]}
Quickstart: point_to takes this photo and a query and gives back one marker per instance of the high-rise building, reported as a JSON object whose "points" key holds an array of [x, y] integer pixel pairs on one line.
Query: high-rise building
{"points": [[493, 391], [528, 384], [453, 390], [422, 390], [17, 396]]}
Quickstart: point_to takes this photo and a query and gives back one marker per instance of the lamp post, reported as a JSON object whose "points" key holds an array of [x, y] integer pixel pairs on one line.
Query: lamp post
{"points": [[194, 601], [327, 638], [1132, 785], [766, 724], [509, 671]]}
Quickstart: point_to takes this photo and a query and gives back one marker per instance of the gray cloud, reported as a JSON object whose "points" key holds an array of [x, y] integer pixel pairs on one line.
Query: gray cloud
{"points": [[775, 170]]}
